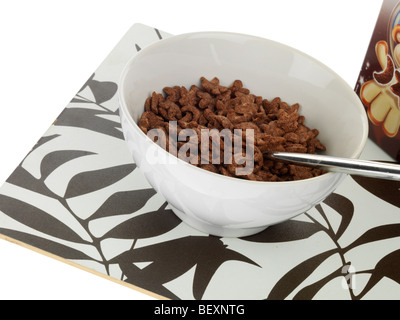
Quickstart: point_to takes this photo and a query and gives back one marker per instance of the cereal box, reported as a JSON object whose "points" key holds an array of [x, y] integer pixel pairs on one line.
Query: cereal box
{"points": [[378, 85]]}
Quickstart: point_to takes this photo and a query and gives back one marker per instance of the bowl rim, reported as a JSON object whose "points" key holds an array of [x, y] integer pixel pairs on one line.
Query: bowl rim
{"points": [[123, 107]]}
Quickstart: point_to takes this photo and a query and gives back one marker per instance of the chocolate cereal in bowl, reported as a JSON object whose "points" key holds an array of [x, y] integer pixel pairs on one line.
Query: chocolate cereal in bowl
{"points": [[200, 111]]}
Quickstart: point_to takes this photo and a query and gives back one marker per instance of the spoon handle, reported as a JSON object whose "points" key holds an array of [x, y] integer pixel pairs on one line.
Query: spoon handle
{"points": [[373, 169]]}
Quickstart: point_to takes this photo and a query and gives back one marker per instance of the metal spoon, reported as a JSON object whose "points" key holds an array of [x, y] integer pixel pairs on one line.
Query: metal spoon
{"points": [[373, 169]]}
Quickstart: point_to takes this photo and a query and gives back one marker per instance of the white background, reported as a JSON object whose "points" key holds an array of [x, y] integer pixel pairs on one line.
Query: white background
{"points": [[48, 49]]}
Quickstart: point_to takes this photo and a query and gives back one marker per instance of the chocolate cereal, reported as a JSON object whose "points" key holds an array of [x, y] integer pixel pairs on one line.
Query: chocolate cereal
{"points": [[275, 126]]}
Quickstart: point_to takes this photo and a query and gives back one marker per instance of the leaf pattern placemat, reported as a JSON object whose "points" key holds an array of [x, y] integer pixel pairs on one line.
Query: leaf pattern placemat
{"points": [[79, 197]]}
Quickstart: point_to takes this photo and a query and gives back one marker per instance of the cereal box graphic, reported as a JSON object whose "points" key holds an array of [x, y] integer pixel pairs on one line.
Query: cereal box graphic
{"points": [[378, 85]]}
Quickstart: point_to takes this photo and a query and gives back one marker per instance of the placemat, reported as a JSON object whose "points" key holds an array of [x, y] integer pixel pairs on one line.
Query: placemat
{"points": [[77, 196]]}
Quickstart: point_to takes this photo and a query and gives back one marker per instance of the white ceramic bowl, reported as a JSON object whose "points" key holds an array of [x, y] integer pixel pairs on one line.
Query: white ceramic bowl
{"points": [[214, 203]]}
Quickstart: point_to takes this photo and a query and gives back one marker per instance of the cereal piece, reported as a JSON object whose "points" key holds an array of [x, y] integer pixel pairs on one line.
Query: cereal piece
{"points": [[236, 118], [147, 104], [224, 121], [209, 115], [291, 137], [271, 143], [156, 98], [188, 97], [202, 120], [246, 105], [271, 108], [258, 100], [212, 86], [205, 100], [222, 108], [188, 125], [237, 86], [173, 94], [296, 147], [193, 111], [174, 112], [259, 118], [150, 120], [224, 171], [287, 121], [248, 125], [272, 129], [300, 172], [265, 175], [209, 167]]}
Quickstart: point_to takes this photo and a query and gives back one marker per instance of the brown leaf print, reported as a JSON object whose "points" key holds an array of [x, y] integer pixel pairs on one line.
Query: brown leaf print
{"points": [[387, 190]]}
